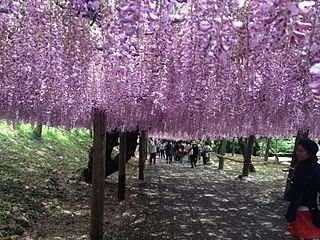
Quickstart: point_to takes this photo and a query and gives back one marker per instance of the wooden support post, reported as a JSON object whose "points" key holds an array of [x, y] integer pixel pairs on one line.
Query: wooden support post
{"points": [[142, 154], [122, 167], [247, 160], [233, 147], [262, 148], [222, 148], [276, 151], [98, 173], [146, 147], [266, 156]]}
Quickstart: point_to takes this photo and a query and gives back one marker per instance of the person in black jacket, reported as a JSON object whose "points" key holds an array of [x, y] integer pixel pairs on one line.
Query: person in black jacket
{"points": [[169, 152], [303, 193], [194, 155]]}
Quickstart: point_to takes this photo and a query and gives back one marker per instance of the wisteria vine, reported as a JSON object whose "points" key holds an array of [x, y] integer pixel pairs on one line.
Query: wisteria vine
{"points": [[183, 68]]}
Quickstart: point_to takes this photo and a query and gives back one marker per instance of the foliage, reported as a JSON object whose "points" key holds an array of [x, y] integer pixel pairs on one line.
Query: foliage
{"points": [[284, 145], [229, 146]]}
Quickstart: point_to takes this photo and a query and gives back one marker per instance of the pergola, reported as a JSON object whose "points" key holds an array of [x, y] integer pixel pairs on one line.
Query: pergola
{"points": [[182, 68]]}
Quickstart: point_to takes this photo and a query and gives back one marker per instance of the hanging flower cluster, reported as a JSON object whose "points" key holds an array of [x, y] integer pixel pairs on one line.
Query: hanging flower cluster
{"points": [[315, 86], [182, 68]]}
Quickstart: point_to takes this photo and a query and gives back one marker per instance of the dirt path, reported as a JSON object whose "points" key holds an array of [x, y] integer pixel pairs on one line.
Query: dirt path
{"points": [[178, 202]]}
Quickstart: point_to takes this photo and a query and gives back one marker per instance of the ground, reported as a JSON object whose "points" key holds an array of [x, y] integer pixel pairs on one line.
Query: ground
{"points": [[178, 202], [42, 195]]}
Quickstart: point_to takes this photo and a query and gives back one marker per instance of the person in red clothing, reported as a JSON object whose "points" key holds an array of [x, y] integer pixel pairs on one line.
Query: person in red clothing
{"points": [[303, 193]]}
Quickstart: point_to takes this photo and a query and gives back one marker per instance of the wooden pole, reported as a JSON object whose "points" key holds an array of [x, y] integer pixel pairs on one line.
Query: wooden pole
{"points": [[276, 151], [122, 167], [142, 154], [233, 147], [146, 147], [247, 160], [98, 175], [266, 156], [262, 148], [223, 146]]}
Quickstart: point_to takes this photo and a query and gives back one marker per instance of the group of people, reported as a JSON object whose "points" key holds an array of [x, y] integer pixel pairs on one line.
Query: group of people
{"points": [[303, 215], [176, 150]]}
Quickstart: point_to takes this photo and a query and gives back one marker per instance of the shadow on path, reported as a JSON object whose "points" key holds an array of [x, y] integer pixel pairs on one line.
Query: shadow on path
{"points": [[178, 202]]}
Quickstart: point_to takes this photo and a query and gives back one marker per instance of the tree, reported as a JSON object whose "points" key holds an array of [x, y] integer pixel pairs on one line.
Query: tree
{"points": [[246, 147], [37, 132], [112, 163], [222, 151]]}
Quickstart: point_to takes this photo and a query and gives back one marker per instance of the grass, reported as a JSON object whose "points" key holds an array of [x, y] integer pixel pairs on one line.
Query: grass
{"points": [[57, 149], [264, 173], [31, 170]]}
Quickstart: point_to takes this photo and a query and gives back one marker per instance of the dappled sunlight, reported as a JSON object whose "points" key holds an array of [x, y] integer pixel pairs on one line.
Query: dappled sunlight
{"points": [[183, 203]]}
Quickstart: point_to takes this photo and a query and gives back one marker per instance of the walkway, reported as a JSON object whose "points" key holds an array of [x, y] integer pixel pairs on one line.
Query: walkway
{"points": [[178, 202]]}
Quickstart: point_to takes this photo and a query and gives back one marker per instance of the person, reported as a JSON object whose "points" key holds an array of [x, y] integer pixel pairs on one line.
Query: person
{"points": [[169, 152], [199, 149], [152, 151], [194, 154], [183, 147], [302, 195], [162, 148], [176, 151], [206, 153], [180, 152], [188, 148]]}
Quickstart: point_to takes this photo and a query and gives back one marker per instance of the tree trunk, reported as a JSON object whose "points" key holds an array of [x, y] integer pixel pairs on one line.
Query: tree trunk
{"points": [[112, 164], [131, 146], [302, 135], [98, 166], [37, 132], [266, 156], [222, 151], [233, 147], [247, 159]]}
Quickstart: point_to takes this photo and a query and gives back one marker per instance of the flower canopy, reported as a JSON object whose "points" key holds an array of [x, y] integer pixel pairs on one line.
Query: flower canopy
{"points": [[179, 67]]}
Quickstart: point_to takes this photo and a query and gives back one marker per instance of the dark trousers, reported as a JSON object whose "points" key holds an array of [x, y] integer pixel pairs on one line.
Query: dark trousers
{"points": [[162, 154], [194, 160], [205, 160], [169, 158], [153, 156]]}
